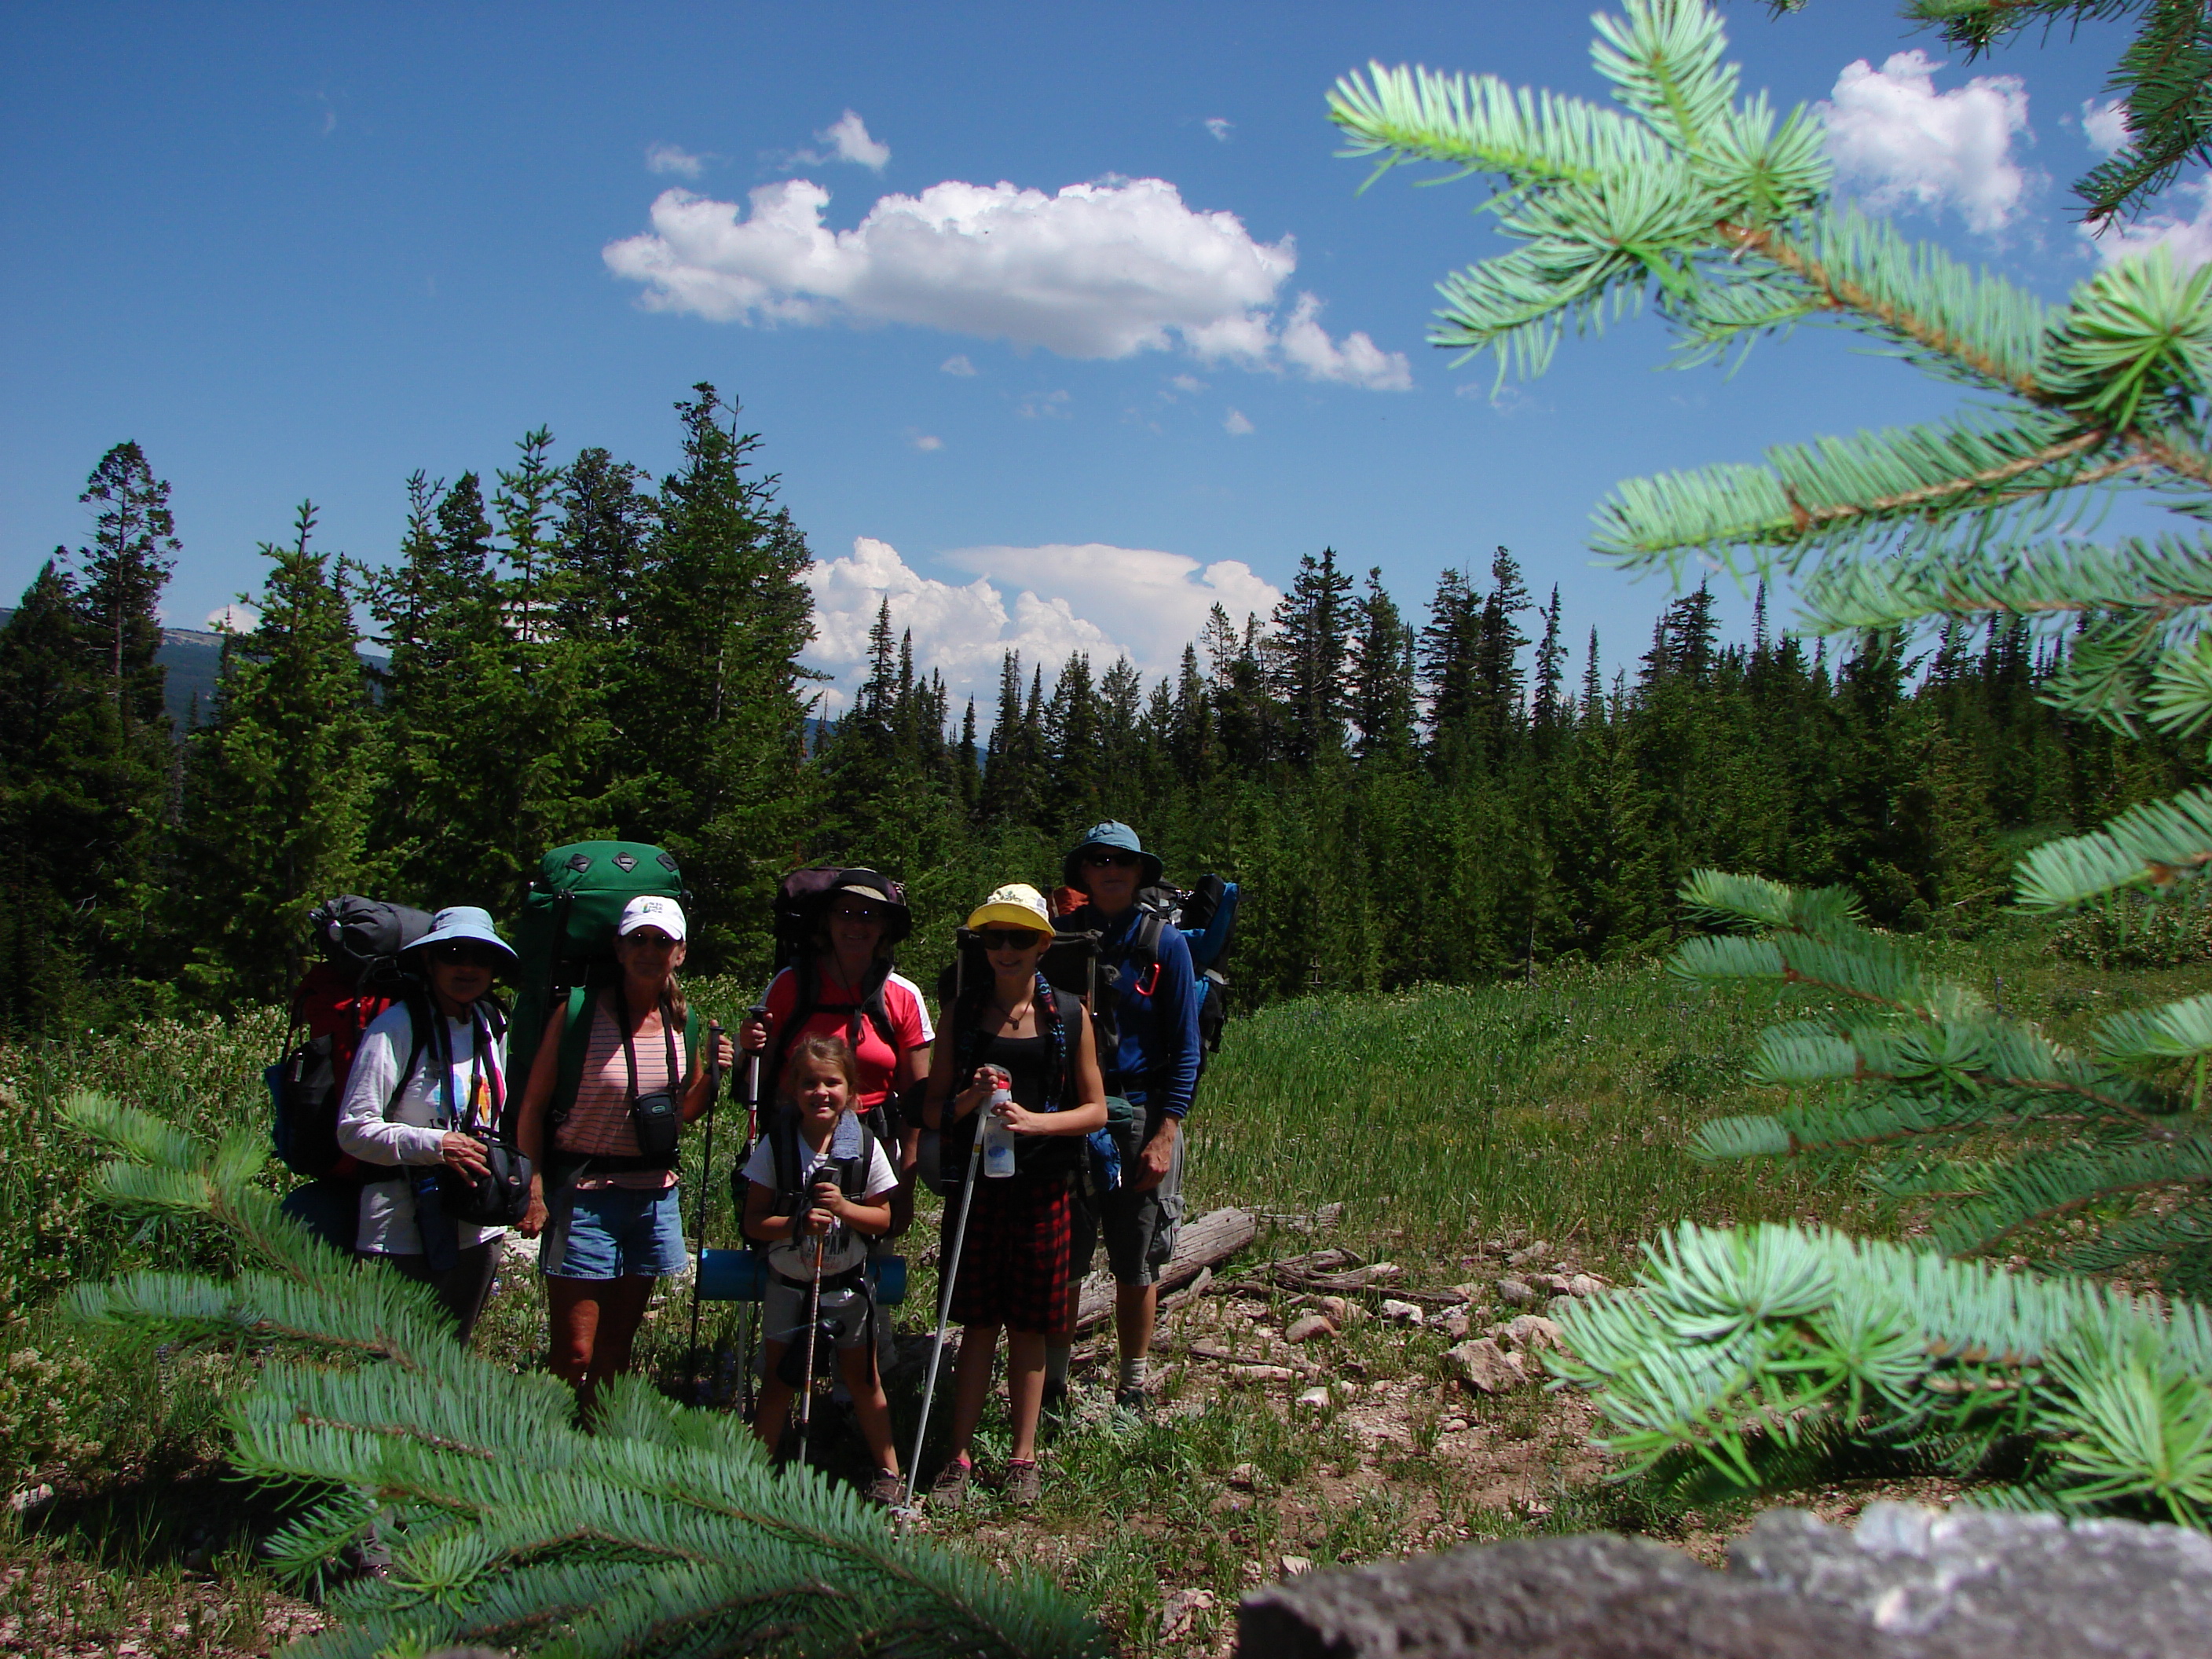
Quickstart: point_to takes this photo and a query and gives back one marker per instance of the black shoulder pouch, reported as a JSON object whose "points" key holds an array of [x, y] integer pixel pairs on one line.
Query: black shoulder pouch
{"points": [[655, 1118]]}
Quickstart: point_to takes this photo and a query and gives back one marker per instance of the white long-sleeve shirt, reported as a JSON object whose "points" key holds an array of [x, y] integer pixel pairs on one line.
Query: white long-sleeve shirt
{"points": [[414, 1130]]}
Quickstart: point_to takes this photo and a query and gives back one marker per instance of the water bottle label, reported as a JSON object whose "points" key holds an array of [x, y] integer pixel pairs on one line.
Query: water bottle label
{"points": [[998, 1139]]}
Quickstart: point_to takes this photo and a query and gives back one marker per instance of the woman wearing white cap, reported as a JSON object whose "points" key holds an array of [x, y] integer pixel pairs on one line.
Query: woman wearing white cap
{"points": [[428, 1081], [606, 1205], [1011, 1030]]}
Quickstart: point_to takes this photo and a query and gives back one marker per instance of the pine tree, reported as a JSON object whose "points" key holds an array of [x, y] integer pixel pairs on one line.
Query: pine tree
{"points": [[2099, 393], [1073, 735], [57, 740], [451, 799], [277, 783], [1309, 669], [1547, 707], [1382, 676], [710, 690], [124, 572]]}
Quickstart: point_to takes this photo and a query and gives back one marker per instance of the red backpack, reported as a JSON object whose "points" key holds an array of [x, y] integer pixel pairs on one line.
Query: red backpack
{"points": [[359, 977]]}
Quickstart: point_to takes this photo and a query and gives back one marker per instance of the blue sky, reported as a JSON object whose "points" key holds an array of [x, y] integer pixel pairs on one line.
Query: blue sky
{"points": [[304, 250]]}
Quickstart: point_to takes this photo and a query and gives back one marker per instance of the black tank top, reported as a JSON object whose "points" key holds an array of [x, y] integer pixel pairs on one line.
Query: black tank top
{"points": [[1027, 1061]]}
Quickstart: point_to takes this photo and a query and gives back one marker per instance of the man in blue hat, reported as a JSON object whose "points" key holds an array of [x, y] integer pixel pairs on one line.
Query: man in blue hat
{"points": [[1144, 963]]}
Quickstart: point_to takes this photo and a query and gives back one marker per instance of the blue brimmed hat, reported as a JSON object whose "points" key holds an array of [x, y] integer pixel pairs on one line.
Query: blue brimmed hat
{"points": [[463, 922], [1122, 839]]}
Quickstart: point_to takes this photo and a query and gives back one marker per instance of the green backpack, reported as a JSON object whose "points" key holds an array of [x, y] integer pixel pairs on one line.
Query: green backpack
{"points": [[565, 938]]}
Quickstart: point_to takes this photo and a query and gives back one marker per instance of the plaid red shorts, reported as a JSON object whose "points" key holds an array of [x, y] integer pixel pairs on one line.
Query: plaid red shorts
{"points": [[1014, 1263]]}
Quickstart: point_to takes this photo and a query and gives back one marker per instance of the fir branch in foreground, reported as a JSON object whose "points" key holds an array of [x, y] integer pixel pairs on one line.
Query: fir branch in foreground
{"points": [[1732, 1340], [667, 1531]]}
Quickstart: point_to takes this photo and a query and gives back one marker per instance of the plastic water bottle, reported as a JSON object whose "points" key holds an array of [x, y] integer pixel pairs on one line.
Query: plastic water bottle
{"points": [[998, 1139]]}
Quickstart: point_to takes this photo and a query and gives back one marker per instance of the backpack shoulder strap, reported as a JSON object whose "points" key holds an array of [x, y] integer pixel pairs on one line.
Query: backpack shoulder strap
{"points": [[575, 1043], [806, 997], [873, 1005], [783, 1143], [420, 1017]]}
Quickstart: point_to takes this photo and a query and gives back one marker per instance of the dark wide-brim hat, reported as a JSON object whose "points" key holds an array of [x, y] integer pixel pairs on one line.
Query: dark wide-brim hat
{"points": [[878, 890], [1122, 839]]}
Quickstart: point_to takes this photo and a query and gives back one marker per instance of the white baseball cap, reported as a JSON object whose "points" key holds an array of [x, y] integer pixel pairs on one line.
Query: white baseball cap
{"points": [[651, 910]]}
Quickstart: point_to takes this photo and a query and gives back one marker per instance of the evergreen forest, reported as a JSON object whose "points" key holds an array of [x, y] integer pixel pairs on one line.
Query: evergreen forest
{"points": [[1451, 791]]}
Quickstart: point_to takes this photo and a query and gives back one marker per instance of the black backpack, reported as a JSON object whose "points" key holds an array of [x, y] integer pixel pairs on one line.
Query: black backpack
{"points": [[1205, 914], [360, 941], [800, 900]]}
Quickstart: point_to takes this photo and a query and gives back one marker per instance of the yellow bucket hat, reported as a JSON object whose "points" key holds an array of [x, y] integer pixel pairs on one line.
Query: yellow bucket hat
{"points": [[1016, 904]]}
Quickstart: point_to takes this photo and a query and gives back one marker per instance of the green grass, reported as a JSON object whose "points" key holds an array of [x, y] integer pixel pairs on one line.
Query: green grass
{"points": [[1437, 1117]]}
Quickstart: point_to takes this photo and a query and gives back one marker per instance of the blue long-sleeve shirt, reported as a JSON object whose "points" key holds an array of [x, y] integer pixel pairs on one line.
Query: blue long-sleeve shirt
{"points": [[1157, 1014]]}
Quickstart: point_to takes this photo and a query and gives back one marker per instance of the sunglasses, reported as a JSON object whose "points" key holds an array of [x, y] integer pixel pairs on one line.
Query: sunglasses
{"points": [[1110, 860], [475, 956], [858, 913], [1009, 938], [655, 941]]}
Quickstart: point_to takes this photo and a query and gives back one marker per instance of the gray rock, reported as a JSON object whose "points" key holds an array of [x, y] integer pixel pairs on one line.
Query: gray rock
{"points": [[1306, 1327], [1530, 1333], [1909, 1583], [2026, 1586], [1594, 1597], [1485, 1367], [1529, 1255], [1516, 1294]]}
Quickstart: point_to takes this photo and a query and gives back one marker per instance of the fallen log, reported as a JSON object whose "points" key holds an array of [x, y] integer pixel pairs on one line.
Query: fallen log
{"points": [[1205, 1242]]}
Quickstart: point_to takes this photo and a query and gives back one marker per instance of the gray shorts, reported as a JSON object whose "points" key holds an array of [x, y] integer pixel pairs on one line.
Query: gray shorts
{"points": [[783, 1314], [1141, 1228]]}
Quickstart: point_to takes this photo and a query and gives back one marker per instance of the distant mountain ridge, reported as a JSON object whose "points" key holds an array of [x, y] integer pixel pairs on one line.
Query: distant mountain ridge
{"points": [[193, 660]]}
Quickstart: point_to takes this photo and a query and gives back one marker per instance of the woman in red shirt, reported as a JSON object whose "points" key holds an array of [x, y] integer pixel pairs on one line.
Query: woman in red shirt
{"points": [[853, 993]]}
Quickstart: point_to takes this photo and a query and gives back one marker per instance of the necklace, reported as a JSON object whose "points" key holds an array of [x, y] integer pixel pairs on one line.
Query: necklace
{"points": [[1016, 1015]]}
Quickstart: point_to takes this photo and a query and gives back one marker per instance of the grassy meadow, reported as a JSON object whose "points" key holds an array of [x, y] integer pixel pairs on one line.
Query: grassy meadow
{"points": [[1438, 1118]]}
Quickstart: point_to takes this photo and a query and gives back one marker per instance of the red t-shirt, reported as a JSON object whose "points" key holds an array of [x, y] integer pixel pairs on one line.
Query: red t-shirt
{"points": [[838, 1015]]}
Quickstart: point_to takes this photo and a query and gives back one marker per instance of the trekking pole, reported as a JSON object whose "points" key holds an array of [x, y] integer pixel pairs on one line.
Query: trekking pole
{"points": [[813, 1331], [944, 1312], [751, 1322], [705, 1186]]}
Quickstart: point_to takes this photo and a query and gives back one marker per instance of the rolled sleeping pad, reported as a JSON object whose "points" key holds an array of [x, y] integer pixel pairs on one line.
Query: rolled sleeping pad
{"points": [[742, 1276]]}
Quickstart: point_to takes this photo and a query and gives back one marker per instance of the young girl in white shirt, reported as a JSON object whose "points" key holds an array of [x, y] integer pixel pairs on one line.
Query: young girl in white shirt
{"points": [[819, 1082]]}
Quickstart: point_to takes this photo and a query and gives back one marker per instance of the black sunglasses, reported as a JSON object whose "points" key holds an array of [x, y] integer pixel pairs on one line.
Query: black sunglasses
{"points": [[1110, 860], [859, 913], [1008, 938]]}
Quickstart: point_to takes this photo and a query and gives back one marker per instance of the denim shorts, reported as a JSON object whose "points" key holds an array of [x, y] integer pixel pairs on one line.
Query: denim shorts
{"points": [[613, 1232]]}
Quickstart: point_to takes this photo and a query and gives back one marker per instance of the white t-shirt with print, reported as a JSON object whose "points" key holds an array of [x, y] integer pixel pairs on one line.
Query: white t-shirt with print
{"points": [[412, 1132]]}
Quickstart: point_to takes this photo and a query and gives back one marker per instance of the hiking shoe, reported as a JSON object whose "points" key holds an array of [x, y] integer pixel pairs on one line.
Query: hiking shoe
{"points": [[887, 1489], [950, 1490], [1133, 1399], [1020, 1484], [1054, 1405]]}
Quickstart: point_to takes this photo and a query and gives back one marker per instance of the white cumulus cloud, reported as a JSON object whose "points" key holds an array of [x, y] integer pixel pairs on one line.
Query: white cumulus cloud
{"points": [[1219, 126], [2106, 126], [1236, 425], [235, 618], [670, 158], [1103, 271], [2189, 241], [958, 364], [1890, 131], [1097, 599], [927, 442], [1358, 362], [848, 141]]}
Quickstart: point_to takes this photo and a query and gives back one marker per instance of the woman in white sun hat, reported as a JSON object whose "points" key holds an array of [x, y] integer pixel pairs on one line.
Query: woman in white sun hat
{"points": [[598, 1124], [429, 1080]]}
